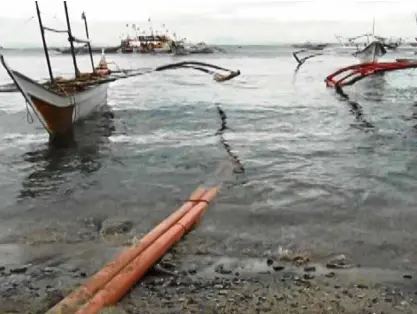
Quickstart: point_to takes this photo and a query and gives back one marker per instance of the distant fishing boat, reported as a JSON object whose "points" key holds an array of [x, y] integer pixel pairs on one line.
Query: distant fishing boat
{"points": [[310, 46], [181, 48], [391, 43], [371, 53], [85, 49], [146, 44]]}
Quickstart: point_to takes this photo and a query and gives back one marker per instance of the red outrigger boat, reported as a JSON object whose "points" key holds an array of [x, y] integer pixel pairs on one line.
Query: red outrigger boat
{"points": [[351, 74], [357, 72]]}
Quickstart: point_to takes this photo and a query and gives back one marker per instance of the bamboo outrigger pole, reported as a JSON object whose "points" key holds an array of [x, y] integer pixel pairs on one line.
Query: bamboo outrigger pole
{"points": [[71, 40], [88, 38], [45, 48]]}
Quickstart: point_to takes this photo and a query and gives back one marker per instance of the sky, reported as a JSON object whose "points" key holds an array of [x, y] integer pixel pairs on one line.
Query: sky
{"points": [[213, 21]]}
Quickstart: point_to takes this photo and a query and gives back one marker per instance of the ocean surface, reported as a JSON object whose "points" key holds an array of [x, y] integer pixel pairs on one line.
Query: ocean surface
{"points": [[316, 177]]}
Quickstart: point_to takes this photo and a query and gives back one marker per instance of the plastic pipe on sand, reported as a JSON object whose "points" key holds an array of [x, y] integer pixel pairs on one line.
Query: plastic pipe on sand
{"points": [[123, 281], [81, 295]]}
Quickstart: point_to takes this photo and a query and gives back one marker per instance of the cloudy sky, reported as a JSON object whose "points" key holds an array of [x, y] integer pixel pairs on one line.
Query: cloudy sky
{"points": [[214, 21]]}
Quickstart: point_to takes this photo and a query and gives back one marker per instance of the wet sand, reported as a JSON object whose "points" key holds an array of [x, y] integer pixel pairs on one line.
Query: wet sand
{"points": [[194, 277]]}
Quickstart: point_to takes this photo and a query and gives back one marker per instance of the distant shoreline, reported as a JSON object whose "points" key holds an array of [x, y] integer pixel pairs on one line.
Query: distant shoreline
{"points": [[280, 45]]}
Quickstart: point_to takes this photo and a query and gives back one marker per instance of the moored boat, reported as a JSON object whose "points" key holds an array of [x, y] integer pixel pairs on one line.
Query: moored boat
{"points": [[146, 44], [371, 53], [310, 46], [59, 103], [181, 48], [85, 50]]}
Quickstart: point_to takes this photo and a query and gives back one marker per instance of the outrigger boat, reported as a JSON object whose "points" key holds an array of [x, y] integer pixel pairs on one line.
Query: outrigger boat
{"points": [[369, 65], [351, 74], [371, 53], [59, 103], [387, 43], [354, 73]]}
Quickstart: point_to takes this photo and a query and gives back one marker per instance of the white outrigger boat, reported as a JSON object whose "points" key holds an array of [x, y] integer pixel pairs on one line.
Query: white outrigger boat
{"points": [[371, 53], [59, 103]]}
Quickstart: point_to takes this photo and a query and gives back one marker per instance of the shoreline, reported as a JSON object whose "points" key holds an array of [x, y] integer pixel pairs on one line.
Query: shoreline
{"points": [[200, 282]]}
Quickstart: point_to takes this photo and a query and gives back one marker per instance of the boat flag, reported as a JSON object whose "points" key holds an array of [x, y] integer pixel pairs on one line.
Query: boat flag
{"points": [[103, 63], [83, 16]]}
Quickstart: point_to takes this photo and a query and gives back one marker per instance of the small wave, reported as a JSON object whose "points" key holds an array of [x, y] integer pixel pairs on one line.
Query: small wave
{"points": [[18, 139]]}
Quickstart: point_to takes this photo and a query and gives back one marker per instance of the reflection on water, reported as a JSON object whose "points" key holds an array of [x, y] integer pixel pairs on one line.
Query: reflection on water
{"points": [[355, 109], [51, 165], [374, 87]]}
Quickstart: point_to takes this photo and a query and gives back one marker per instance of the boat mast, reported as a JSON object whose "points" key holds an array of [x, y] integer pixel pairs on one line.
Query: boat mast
{"points": [[45, 48], [88, 38], [373, 29], [71, 40]]}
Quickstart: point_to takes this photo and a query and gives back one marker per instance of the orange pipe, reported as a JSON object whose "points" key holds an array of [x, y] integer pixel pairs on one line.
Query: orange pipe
{"points": [[124, 280], [80, 296]]}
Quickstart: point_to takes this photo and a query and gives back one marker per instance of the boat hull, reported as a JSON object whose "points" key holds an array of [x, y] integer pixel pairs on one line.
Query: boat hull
{"points": [[56, 111], [371, 53]]}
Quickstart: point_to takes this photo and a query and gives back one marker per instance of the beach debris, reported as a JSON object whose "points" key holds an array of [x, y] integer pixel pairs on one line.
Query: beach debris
{"points": [[278, 267], [222, 269], [308, 276], [113, 226], [309, 269], [339, 262], [296, 258], [18, 269]]}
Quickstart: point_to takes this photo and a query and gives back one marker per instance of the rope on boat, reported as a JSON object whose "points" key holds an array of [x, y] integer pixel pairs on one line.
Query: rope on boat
{"points": [[302, 60], [29, 117], [239, 168], [200, 66], [126, 73], [355, 107]]}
